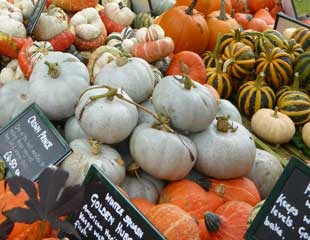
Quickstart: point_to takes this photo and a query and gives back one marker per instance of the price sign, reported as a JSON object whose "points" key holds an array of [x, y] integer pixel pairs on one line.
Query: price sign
{"points": [[30, 143], [283, 22], [285, 215]]}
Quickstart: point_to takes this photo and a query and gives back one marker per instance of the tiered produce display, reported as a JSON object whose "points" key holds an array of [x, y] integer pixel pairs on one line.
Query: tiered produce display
{"points": [[192, 109]]}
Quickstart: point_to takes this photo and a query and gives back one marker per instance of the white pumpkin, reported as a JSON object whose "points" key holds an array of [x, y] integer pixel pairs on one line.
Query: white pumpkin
{"points": [[8, 9], [51, 23], [14, 98], [86, 153], [189, 105], [107, 120], [158, 6], [134, 75], [56, 83], [11, 26], [306, 134], [73, 130], [164, 155], [88, 24], [26, 6], [118, 13], [152, 33], [224, 151], [143, 186], [265, 172], [227, 108], [11, 72], [145, 117]]}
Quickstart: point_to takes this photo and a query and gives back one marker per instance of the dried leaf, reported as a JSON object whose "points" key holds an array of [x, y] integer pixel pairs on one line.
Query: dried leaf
{"points": [[6, 228], [24, 215]]}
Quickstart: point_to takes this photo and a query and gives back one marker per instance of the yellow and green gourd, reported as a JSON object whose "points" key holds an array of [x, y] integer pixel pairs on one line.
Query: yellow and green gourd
{"points": [[293, 48], [268, 39], [302, 65], [302, 36]]}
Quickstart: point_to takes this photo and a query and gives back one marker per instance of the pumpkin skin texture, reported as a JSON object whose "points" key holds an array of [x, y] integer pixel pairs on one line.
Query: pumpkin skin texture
{"points": [[273, 127], [306, 134], [302, 36], [142, 204], [190, 109], [227, 108], [134, 75], [145, 117], [75, 5], [192, 33], [10, 72], [56, 88], [255, 5], [14, 98], [145, 186], [86, 153], [123, 116], [237, 159], [301, 66], [193, 61], [189, 196], [265, 172], [173, 222], [73, 130], [162, 154]]}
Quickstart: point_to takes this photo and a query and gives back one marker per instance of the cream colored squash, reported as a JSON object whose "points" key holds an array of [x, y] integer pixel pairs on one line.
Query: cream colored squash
{"points": [[119, 13], [306, 134], [8, 9], [11, 72], [26, 6], [73, 130], [152, 33]]}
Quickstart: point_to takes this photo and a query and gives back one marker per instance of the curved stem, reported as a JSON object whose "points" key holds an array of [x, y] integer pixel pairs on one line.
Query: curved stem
{"points": [[53, 69], [259, 80], [295, 86], [227, 63], [121, 61], [95, 146], [217, 45], [191, 7], [212, 222], [219, 65], [222, 15], [2, 170], [275, 113]]}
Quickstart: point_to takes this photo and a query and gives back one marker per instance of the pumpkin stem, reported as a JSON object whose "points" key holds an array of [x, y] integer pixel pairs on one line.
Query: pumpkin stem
{"points": [[220, 190], [191, 7], [53, 69], [212, 222], [227, 63], [121, 5], [121, 61], [219, 65], [295, 86], [275, 113], [109, 95], [43, 226], [217, 45], [188, 83], [223, 124], [222, 15], [259, 80], [95, 146], [133, 169], [2, 170]]}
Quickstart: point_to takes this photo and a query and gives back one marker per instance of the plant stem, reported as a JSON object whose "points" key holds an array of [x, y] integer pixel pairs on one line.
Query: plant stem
{"points": [[227, 64], [259, 80], [222, 15], [42, 229], [295, 86], [190, 8], [53, 69], [275, 113], [95, 146]]}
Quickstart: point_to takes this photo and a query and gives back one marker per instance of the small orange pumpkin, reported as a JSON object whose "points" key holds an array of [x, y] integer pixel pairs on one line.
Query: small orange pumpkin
{"points": [[264, 15], [243, 19], [75, 5], [255, 5], [142, 204]]}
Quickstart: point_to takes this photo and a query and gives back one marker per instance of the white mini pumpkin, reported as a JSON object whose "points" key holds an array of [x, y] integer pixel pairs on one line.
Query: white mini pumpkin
{"points": [[306, 134], [145, 117], [26, 6], [8, 9], [134, 75], [107, 120], [152, 33], [227, 108], [73, 130], [86, 153], [12, 71], [158, 6], [190, 107], [164, 155], [14, 98], [225, 151], [12, 27], [118, 13], [56, 83]]}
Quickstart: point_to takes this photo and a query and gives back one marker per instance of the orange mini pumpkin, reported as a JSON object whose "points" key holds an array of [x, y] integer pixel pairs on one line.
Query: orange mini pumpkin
{"points": [[142, 204], [187, 28], [75, 5], [255, 5]]}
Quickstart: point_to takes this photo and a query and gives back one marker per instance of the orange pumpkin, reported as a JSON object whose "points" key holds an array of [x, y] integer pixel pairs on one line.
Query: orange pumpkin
{"points": [[257, 24], [194, 63], [276, 9], [243, 19], [173, 222], [239, 6], [239, 189], [229, 221], [264, 15], [191, 197], [75, 5], [203, 232], [219, 22], [187, 28], [255, 5], [142, 204]]}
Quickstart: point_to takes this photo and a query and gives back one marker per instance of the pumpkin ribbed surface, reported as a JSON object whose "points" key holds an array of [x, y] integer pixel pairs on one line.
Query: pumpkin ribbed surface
{"points": [[239, 60], [277, 66], [75, 5], [142, 204], [302, 64], [302, 36], [208, 59], [293, 48], [173, 222], [269, 39]]}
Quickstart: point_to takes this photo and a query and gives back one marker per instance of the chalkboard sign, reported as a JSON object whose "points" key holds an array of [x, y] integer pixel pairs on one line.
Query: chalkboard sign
{"points": [[30, 143], [35, 15], [107, 214], [286, 212], [283, 22], [301, 8]]}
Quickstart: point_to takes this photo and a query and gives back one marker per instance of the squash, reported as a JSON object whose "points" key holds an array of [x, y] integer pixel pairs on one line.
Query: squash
{"points": [[302, 67], [162, 154], [119, 13], [145, 117], [149, 34], [229, 221], [143, 19], [158, 7], [134, 75], [254, 212], [276, 65], [306, 134], [238, 60], [14, 98], [272, 126], [192, 107], [237, 159], [11, 72], [143, 185], [213, 91], [293, 48], [173, 222], [264, 14], [255, 5], [118, 40], [142, 204], [123, 116], [243, 19], [209, 59], [191, 197], [265, 172], [73, 130], [194, 63], [220, 80], [75, 5], [63, 40], [10, 46], [302, 36], [88, 152], [257, 24], [254, 95], [56, 82], [226, 108], [268, 39], [25, 6], [192, 33]]}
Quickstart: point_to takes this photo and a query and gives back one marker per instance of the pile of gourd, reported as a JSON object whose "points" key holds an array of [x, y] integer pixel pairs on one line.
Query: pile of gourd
{"points": [[150, 112]]}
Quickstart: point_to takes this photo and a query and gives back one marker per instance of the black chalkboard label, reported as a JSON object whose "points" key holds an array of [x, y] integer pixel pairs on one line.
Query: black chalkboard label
{"points": [[106, 214], [30, 143], [35, 15], [286, 212], [283, 22]]}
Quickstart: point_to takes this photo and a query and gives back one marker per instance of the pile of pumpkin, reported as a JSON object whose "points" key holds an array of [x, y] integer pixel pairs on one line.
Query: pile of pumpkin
{"points": [[136, 99]]}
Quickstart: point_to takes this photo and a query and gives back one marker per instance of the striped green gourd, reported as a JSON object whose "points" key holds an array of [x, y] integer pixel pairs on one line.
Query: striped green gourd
{"points": [[302, 65], [302, 36], [143, 19], [268, 39], [293, 48]]}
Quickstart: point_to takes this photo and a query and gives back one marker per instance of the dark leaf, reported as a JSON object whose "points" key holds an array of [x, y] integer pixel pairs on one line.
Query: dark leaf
{"points": [[205, 183], [51, 181], [24, 215], [64, 226], [70, 199], [6, 228], [16, 184]]}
